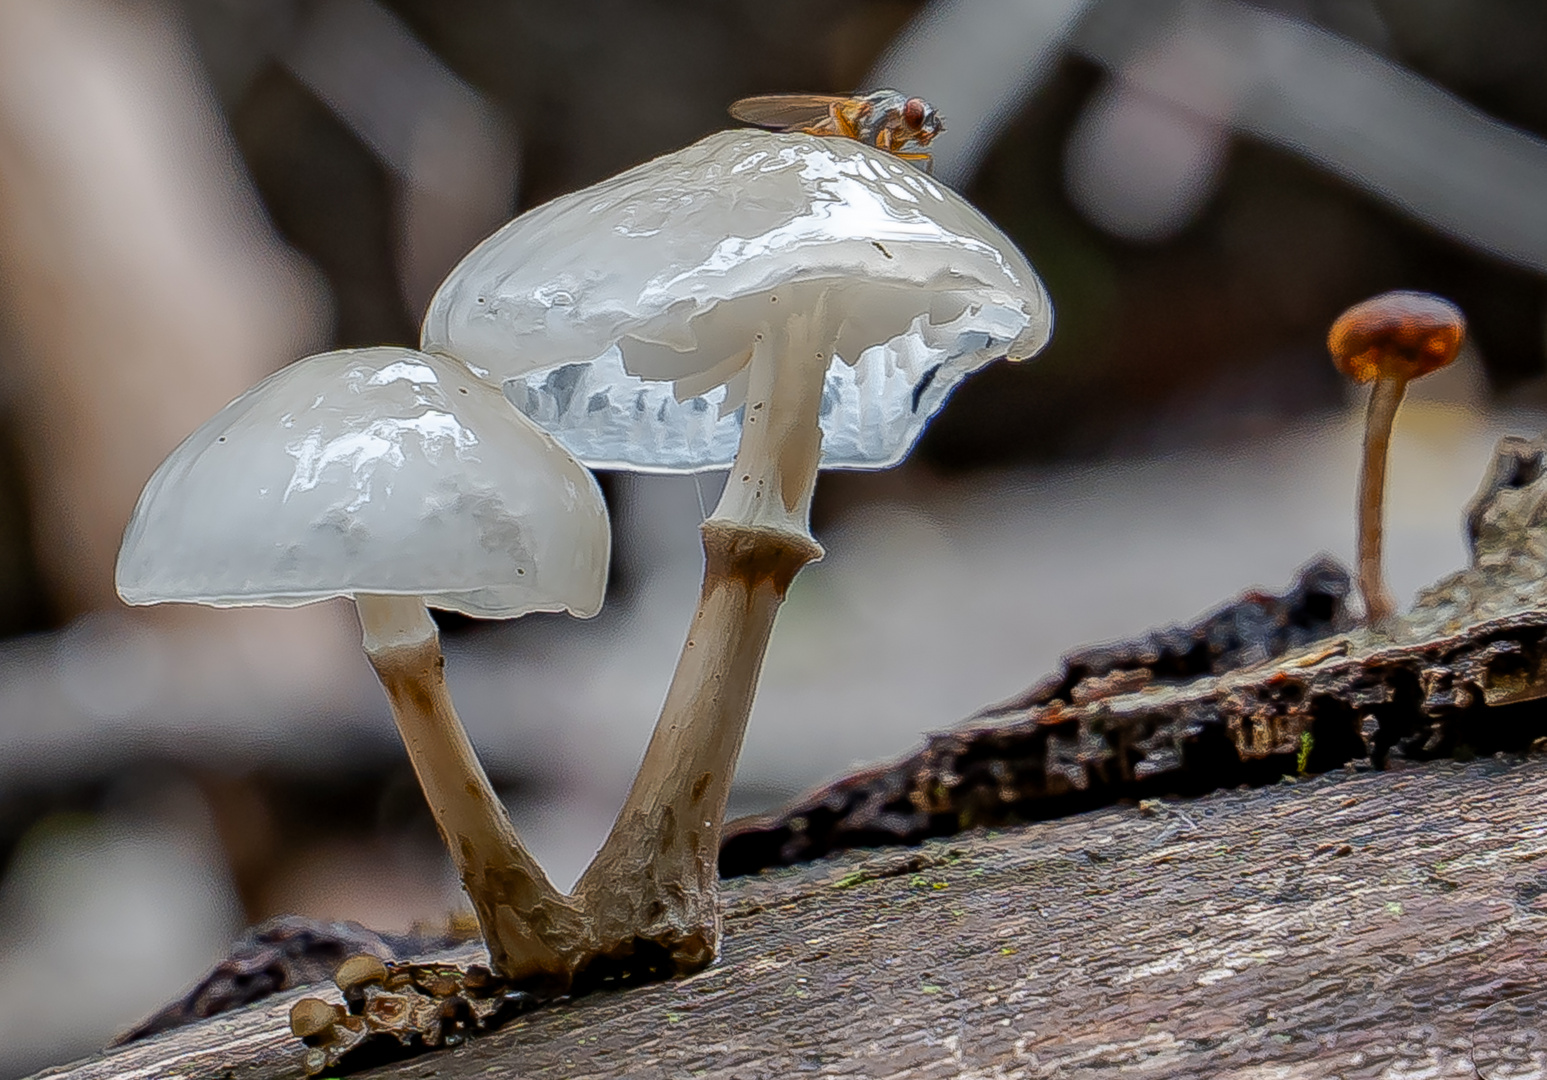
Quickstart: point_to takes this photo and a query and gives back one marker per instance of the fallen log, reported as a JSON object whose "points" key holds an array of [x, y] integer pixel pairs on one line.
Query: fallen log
{"points": [[1361, 924], [1265, 686]]}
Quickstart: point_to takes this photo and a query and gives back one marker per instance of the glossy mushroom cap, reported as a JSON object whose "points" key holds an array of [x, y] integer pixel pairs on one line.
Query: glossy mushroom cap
{"points": [[622, 317], [370, 471], [1402, 334]]}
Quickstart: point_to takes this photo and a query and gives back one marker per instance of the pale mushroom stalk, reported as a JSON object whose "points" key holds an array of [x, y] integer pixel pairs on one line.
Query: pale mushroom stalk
{"points": [[654, 878], [529, 927], [1385, 398]]}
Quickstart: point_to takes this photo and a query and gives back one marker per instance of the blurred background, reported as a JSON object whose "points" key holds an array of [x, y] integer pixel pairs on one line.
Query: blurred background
{"points": [[192, 195]]}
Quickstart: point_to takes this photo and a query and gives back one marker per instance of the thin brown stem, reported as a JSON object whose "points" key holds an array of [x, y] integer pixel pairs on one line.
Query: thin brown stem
{"points": [[1385, 397], [532, 930]]}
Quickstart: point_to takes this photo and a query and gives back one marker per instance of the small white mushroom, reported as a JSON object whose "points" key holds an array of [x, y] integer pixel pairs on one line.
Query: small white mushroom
{"points": [[397, 479], [772, 301]]}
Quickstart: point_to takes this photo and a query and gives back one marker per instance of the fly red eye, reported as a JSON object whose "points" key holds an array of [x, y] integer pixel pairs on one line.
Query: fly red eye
{"points": [[913, 111]]}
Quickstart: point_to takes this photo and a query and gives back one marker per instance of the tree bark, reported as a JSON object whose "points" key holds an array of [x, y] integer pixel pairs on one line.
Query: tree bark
{"points": [[1264, 686], [1361, 924]]}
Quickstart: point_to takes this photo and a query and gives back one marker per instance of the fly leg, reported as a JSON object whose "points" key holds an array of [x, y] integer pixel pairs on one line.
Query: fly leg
{"points": [[841, 123]]}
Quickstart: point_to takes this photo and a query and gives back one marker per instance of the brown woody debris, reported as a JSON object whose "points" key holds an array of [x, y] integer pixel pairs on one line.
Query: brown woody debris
{"points": [[392, 1010], [1264, 687], [277, 955]]}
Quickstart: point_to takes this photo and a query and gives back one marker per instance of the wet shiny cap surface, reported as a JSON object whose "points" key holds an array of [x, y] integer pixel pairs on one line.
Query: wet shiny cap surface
{"points": [[1402, 334], [374, 470], [621, 316]]}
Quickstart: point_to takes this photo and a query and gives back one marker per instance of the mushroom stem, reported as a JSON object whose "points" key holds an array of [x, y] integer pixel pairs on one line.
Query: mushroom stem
{"points": [[652, 889], [531, 928], [1385, 396]]}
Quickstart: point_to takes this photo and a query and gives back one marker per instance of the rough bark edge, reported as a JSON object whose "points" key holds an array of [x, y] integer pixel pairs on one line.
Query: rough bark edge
{"points": [[1356, 925], [1262, 687]]}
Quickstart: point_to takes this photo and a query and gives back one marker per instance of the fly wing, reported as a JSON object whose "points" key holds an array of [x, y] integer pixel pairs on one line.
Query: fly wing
{"points": [[784, 112]]}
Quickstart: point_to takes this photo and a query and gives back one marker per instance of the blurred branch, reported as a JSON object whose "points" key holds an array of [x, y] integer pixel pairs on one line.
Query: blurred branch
{"points": [[978, 61], [454, 158], [147, 289], [144, 282], [1360, 116]]}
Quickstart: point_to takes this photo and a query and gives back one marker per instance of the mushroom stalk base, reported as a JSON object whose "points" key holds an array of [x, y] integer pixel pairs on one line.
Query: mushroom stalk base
{"points": [[1385, 397], [652, 889], [532, 930]]}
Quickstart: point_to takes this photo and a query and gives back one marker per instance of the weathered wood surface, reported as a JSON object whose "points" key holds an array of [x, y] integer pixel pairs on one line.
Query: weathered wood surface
{"points": [[1240, 696], [1387, 924]]}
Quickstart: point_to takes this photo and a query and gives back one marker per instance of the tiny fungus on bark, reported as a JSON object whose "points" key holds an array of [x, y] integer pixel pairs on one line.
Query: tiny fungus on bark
{"points": [[396, 479], [1388, 340], [774, 302]]}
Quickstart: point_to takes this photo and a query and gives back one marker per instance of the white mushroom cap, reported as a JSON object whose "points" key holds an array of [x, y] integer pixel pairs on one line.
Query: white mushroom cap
{"points": [[370, 471], [581, 306]]}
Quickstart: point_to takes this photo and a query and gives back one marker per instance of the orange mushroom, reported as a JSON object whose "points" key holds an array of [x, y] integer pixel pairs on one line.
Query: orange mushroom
{"points": [[1388, 339]]}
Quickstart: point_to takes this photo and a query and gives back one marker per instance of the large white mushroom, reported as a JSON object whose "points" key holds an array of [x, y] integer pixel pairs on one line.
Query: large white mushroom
{"points": [[396, 479], [776, 302]]}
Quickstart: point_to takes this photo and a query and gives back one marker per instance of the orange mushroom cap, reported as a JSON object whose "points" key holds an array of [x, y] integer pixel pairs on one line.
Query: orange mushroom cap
{"points": [[1403, 334]]}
